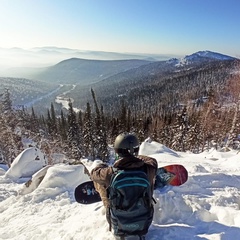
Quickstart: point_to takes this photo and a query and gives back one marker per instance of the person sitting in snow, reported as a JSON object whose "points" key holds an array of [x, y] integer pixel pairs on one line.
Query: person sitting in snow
{"points": [[128, 198]]}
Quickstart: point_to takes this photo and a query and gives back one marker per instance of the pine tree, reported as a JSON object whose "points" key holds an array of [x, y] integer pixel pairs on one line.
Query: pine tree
{"points": [[88, 142], [99, 135], [80, 126], [6, 101], [53, 119], [80, 120], [146, 127], [103, 151], [114, 129], [195, 137], [73, 135], [123, 117], [49, 122], [181, 129], [63, 126], [34, 121]]}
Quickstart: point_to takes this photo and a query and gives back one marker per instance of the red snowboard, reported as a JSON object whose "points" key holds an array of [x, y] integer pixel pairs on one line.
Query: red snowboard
{"points": [[174, 175]]}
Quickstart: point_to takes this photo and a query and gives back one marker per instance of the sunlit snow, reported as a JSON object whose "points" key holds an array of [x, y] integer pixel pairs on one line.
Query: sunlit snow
{"points": [[205, 207]]}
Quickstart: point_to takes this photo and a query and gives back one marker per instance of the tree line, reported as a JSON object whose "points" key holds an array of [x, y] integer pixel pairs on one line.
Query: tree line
{"points": [[210, 121]]}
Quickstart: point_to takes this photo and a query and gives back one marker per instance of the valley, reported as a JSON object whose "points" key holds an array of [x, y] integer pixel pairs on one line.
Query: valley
{"points": [[163, 85]]}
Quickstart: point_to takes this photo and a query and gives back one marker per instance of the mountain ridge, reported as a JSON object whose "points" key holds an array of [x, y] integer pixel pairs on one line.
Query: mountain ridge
{"points": [[142, 81], [87, 71]]}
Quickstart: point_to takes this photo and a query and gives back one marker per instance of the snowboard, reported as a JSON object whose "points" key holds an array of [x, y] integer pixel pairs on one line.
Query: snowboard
{"points": [[174, 175], [86, 193]]}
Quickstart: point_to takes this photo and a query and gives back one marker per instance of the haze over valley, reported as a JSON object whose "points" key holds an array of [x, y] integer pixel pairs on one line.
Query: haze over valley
{"points": [[115, 80]]}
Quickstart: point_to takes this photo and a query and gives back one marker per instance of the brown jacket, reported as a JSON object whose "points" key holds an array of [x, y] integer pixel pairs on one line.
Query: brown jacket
{"points": [[101, 175]]}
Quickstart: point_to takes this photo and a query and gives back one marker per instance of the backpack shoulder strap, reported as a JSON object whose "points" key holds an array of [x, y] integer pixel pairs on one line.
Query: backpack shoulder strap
{"points": [[115, 170]]}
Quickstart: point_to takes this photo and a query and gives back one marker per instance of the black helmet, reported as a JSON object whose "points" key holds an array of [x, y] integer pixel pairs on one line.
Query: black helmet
{"points": [[125, 144]]}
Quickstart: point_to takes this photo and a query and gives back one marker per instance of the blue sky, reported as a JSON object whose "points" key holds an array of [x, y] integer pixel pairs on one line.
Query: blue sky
{"points": [[177, 27]]}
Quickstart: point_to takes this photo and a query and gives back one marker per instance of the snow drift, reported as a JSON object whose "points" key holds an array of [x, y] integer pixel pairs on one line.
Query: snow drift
{"points": [[205, 207], [27, 163]]}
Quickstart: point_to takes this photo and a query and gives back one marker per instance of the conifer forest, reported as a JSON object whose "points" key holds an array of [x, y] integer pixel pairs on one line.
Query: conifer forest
{"points": [[189, 111]]}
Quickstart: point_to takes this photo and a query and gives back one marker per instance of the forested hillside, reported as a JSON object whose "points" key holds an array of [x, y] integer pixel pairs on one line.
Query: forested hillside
{"points": [[84, 71], [212, 120], [24, 90], [192, 104], [158, 87], [26, 93]]}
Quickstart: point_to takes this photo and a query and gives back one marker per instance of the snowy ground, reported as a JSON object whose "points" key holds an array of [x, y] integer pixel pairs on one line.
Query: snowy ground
{"points": [[206, 207]]}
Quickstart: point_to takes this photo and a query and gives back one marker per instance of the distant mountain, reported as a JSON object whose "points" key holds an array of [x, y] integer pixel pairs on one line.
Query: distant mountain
{"points": [[85, 71], [54, 49], [163, 68], [202, 56], [54, 64], [82, 71], [158, 85], [134, 80], [102, 55], [212, 55], [18, 62]]}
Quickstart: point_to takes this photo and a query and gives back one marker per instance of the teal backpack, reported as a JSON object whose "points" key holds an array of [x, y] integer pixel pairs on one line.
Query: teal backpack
{"points": [[131, 208]]}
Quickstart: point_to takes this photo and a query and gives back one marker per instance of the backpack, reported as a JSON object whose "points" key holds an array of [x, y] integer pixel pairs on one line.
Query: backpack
{"points": [[131, 209]]}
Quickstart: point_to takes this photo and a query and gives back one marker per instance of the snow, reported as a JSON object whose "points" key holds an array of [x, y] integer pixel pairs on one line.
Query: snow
{"points": [[205, 207], [196, 57], [64, 100], [26, 163]]}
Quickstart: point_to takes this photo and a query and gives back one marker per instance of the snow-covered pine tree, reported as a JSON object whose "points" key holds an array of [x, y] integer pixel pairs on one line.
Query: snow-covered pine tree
{"points": [[104, 151], [6, 100], [63, 126], [34, 120], [99, 136], [53, 119], [73, 135], [181, 130], [88, 142]]}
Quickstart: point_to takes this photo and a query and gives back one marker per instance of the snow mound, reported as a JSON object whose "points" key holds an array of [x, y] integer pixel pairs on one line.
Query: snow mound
{"points": [[64, 176], [149, 147], [34, 182], [200, 169], [26, 163], [54, 181]]}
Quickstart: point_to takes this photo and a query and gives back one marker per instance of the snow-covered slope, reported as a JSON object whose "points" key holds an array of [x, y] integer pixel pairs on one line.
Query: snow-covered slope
{"points": [[209, 54], [205, 207], [200, 57]]}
